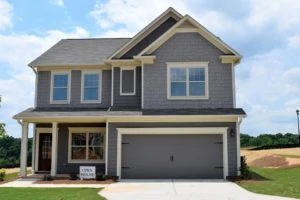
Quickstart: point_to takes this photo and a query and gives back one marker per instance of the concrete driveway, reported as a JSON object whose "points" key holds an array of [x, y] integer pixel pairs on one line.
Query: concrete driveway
{"points": [[181, 190]]}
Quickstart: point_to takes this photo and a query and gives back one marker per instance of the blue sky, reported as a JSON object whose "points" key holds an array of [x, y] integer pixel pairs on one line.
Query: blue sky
{"points": [[266, 33]]}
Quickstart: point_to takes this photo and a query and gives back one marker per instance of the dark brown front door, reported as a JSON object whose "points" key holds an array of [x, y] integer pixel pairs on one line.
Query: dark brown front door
{"points": [[45, 152]]}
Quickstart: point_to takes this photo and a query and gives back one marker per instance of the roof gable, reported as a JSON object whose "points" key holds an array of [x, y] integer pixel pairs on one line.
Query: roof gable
{"points": [[188, 24], [170, 12]]}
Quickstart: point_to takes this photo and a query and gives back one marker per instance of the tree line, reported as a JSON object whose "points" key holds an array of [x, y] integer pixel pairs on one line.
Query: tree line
{"points": [[10, 149], [270, 140]]}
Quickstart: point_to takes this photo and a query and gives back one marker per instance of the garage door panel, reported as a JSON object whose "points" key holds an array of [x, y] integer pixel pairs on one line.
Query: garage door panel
{"points": [[145, 157], [193, 156]]}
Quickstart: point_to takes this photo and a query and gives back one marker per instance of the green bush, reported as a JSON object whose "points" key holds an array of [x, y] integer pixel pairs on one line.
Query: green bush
{"points": [[48, 177], [245, 170], [2, 174]]}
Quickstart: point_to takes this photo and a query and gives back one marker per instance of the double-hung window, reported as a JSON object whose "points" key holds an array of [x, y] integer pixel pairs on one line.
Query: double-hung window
{"points": [[60, 87], [86, 144], [188, 80], [91, 87]]}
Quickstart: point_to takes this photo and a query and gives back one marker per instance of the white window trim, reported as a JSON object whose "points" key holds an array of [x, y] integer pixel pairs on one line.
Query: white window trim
{"points": [[52, 84], [134, 81], [85, 130], [99, 72], [173, 131], [187, 65]]}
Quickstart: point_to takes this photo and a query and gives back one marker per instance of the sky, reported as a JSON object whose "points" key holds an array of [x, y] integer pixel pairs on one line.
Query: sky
{"points": [[266, 33]]}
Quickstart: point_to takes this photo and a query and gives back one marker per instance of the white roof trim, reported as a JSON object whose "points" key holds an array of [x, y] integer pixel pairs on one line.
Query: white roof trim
{"points": [[123, 49], [201, 30]]}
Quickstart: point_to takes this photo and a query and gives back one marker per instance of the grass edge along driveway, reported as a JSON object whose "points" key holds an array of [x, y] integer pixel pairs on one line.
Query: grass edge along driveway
{"points": [[50, 194], [283, 182]]}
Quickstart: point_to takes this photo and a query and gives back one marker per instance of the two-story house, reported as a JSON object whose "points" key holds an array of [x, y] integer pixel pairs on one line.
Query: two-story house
{"points": [[158, 105]]}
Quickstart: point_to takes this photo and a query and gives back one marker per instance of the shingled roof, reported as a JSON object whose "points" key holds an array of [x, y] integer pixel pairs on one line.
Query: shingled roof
{"points": [[79, 52]]}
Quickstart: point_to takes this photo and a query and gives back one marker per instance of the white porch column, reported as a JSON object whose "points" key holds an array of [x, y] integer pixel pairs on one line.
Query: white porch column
{"points": [[23, 156], [54, 149], [33, 149]]}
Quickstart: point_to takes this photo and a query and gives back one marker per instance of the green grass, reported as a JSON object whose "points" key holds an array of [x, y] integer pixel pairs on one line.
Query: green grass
{"points": [[13, 176], [50, 194], [280, 182]]}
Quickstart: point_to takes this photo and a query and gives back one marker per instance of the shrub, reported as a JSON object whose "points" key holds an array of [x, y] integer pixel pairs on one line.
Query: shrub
{"points": [[2, 174], [245, 171], [73, 176], [48, 177], [101, 177]]}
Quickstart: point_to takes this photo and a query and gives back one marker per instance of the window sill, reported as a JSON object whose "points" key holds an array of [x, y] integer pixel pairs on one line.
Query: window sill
{"points": [[188, 98], [86, 161], [127, 94], [59, 102], [89, 102]]}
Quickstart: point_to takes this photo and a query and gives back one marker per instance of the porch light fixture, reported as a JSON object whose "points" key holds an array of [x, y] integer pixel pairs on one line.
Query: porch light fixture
{"points": [[231, 132]]}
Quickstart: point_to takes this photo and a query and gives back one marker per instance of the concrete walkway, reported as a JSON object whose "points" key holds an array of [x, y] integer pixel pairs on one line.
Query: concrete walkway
{"points": [[29, 182], [181, 190]]}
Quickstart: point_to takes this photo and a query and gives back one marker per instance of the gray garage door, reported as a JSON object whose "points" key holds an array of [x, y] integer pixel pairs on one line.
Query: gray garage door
{"points": [[172, 156]]}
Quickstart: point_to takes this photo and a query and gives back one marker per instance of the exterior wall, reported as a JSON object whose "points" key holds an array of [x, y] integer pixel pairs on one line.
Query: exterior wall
{"points": [[44, 87], [132, 101], [63, 167], [188, 47], [149, 38], [112, 141]]}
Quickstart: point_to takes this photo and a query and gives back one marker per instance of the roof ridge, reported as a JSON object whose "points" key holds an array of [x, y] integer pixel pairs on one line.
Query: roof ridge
{"points": [[93, 38]]}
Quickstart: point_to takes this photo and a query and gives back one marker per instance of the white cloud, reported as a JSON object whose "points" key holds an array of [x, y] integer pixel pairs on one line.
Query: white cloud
{"points": [[294, 41], [284, 14], [5, 15], [132, 15], [59, 3], [17, 89]]}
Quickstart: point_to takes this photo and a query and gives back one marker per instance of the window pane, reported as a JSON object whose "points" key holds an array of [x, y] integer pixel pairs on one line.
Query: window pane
{"points": [[79, 153], [91, 94], [60, 94], [127, 81], [178, 74], [178, 89], [60, 80], [91, 80], [196, 74], [197, 89], [79, 139], [95, 139], [95, 153]]}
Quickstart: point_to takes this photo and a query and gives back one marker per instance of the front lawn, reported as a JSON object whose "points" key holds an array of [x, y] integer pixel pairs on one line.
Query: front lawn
{"points": [[50, 194], [280, 182]]}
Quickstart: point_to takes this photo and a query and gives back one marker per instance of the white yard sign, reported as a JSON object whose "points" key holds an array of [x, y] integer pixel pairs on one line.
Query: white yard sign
{"points": [[87, 172]]}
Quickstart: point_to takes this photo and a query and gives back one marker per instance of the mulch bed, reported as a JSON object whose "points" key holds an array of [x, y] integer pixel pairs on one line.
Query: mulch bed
{"points": [[68, 181]]}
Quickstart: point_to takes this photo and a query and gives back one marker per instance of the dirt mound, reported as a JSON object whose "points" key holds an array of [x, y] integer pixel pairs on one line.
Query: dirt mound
{"points": [[274, 158], [270, 161]]}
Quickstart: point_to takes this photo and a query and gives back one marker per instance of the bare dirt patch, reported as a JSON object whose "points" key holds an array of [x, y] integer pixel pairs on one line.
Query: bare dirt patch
{"points": [[273, 158]]}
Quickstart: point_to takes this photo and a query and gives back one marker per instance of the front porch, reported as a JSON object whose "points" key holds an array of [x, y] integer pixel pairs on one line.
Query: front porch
{"points": [[60, 148]]}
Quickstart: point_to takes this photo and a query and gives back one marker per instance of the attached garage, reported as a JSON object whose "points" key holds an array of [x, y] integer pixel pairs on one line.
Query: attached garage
{"points": [[172, 153]]}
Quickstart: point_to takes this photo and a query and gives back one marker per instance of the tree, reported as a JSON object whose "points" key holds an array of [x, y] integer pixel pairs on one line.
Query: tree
{"points": [[2, 130]]}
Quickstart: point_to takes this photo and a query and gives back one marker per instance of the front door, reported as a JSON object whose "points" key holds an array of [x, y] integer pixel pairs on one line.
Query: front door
{"points": [[45, 151]]}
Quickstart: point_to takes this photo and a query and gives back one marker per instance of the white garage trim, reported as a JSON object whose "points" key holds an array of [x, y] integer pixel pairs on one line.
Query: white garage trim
{"points": [[172, 131]]}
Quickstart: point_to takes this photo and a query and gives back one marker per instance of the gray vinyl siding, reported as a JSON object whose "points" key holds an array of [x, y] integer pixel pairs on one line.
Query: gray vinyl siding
{"points": [[133, 101], [112, 141], [188, 47], [44, 87], [150, 38]]}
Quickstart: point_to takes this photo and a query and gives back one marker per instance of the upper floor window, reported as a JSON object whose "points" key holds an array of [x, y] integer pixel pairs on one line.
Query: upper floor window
{"points": [[127, 80], [188, 80], [60, 91], [91, 87]]}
